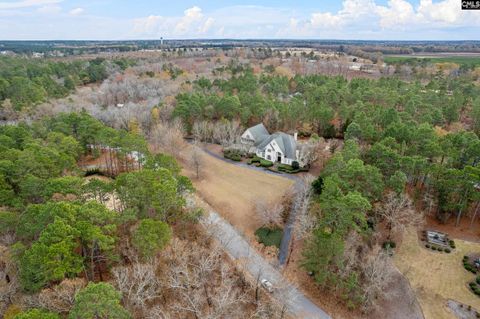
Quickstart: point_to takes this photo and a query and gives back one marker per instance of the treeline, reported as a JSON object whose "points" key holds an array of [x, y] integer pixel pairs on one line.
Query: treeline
{"points": [[25, 82], [329, 105]]}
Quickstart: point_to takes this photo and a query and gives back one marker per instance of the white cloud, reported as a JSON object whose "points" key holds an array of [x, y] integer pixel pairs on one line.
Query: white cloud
{"points": [[207, 25], [192, 23], [365, 17], [49, 9], [76, 11], [26, 4], [444, 12], [191, 16], [397, 14], [326, 20]]}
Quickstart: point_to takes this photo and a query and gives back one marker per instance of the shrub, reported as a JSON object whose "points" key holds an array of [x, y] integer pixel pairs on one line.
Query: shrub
{"points": [[469, 267], [318, 185], [472, 284], [389, 244], [37, 314], [447, 250], [427, 246], [287, 169], [255, 159], [477, 280], [452, 243], [295, 165], [265, 163], [269, 236], [465, 258], [434, 248], [234, 155]]}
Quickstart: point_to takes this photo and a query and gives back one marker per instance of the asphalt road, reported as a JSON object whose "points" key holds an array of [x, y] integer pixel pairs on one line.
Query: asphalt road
{"points": [[297, 304]]}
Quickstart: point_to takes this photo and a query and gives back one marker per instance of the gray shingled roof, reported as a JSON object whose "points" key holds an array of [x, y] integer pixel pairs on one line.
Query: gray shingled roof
{"points": [[259, 133], [286, 142]]}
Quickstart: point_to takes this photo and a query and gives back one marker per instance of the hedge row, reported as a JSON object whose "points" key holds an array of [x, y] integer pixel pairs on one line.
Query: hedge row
{"points": [[475, 287], [468, 266], [254, 160], [440, 249], [452, 244], [233, 155], [265, 163]]}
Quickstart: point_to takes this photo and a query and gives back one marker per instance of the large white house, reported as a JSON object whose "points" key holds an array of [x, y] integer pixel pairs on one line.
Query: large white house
{"points": [[276, 147]]}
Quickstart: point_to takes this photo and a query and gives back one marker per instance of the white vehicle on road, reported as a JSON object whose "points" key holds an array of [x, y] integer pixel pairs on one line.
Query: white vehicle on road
{"points": [[267, 285]]}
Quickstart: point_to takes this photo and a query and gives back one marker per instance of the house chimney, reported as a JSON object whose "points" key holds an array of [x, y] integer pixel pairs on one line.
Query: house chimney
{"points": [[295, 136]]}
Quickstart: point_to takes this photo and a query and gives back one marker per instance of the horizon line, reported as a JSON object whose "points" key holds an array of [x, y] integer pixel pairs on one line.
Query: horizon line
{"points": [[235, 39]]}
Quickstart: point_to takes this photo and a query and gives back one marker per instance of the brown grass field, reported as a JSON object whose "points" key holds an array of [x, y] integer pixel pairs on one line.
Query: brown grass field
{"points": [[436, 277], [233, 190]]}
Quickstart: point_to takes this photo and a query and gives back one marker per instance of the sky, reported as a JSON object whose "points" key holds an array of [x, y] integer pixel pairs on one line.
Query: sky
{"points": [[217, 19]]}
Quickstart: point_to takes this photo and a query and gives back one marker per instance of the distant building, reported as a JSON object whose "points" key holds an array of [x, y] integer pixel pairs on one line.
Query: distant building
{"points": [[38, 55]]}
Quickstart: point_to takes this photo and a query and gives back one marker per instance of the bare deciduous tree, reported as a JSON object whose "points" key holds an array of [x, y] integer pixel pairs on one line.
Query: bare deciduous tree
{"points": [[269, 214], [305, 222], [168, 137], [377, 275], [60, 298], [138, 283], [227, 133], [398, 213], [196, 160], [373, 267], [9, 285], [203, 131], [309, 152], [200, 284]]}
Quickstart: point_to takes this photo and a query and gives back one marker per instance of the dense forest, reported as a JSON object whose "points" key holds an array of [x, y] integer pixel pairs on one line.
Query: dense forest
{"points": [[328, 106], [25, 82]]}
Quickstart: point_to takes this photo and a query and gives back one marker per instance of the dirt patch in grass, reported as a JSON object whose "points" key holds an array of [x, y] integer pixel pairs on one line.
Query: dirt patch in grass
{"points": [[462, 311], [437, 277], [232, 190]]}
